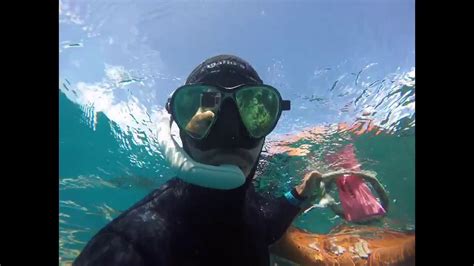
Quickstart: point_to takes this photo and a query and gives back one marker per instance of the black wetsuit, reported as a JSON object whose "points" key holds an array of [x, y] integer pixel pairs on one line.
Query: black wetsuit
{"points": [[184, 224]]}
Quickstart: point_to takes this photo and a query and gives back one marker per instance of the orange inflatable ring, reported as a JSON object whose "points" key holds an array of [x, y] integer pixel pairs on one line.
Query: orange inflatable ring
{"points": [[347, 245]]}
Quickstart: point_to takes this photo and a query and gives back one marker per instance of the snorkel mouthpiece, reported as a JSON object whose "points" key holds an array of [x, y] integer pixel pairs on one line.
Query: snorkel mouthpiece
{"points": [[223, 177]]}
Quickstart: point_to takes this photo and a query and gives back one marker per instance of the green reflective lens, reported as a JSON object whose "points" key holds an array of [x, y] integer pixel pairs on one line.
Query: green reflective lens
{"points": [[195, 108], [259, 109]]}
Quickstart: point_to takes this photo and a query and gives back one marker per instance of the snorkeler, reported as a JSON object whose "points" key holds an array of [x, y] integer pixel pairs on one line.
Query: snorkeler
{"points": [[211, 214]]}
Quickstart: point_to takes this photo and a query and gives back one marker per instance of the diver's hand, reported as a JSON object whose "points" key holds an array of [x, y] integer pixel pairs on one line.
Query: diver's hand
{"points": [[200, 122], [311, 182]]}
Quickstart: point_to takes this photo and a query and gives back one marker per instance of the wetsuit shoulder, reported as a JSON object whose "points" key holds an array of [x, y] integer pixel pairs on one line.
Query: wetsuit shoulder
{"points": [[156, 193], [109, 248], [138, 232]]}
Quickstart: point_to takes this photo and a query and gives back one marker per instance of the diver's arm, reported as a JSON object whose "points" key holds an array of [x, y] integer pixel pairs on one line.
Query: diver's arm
{"points": [[280, 213], [109, 249]]}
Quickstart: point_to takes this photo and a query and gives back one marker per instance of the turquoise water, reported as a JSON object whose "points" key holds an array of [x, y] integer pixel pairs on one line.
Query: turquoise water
{"points": [[342, 61], [103, 170]]}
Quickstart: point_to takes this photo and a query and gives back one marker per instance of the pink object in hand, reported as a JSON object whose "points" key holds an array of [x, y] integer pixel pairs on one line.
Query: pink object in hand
{"points": [[358, 202]]}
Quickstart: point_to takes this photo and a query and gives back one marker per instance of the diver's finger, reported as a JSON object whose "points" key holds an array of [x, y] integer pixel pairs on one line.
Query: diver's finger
{"points": [[204, 115], [313, 176], [200, 121]]}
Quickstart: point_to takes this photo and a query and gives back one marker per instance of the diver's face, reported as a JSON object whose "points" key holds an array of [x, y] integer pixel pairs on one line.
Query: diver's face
{"points": [[227, 142], [245, 159]]}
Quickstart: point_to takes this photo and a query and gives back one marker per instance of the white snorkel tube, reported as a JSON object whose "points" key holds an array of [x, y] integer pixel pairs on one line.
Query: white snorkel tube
{"points": [[210, 176]]}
